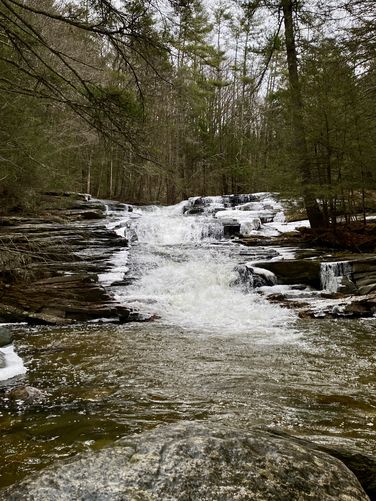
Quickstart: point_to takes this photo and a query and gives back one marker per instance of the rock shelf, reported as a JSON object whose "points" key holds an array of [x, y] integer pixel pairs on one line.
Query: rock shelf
{"points": [[51, 261]]}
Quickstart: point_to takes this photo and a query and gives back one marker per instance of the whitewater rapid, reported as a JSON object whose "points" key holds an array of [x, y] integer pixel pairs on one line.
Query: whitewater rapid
{"points": [[182, 273]]}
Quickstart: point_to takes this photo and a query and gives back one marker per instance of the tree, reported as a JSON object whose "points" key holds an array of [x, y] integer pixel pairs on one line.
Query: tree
{"points": [[314, 213]]}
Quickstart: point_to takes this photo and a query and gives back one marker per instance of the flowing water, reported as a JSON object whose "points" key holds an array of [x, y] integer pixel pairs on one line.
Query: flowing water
{"points": [[213, 351]]}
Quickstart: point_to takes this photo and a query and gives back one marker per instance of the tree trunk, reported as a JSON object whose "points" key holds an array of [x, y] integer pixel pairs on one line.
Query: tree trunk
{"points": [[315, 216]]}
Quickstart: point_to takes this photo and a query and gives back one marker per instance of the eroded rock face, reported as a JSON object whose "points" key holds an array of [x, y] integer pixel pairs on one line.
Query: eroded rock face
{"points": [[295, 271], [197, 462]]}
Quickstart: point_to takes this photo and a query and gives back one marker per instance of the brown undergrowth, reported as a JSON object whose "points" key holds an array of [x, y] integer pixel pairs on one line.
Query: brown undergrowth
{"points": [[356, 236]]}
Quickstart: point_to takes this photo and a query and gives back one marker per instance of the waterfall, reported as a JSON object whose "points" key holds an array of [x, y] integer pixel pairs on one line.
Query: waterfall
{"points": [[183, 273], [332, 274]]}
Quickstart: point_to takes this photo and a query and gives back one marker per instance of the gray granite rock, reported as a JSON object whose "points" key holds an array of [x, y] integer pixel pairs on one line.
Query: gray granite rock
{"points": [[192, 461], [6, 336]]}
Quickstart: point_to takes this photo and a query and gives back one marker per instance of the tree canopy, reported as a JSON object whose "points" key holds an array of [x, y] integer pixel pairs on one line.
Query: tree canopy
{"points": [[156, 100]]}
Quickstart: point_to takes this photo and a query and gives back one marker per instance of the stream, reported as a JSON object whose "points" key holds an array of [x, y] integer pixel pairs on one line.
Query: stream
{"points": [[214, 350]]}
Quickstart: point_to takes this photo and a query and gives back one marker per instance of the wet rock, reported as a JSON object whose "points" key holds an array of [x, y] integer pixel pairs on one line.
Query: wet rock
{"points": [[2, 360], [196, 461], [241, 199], [252, 278], [124, 283], [57, 280], [365, 266], [70, 194], [347, 286], [263, 253], [367, 289], [26, 394], [285, 239], [362, 306], [230, 228], [296, 271], [362, 465], [9, 313], [92, 214], [194, 211], [341, 307], [59, 300], [6, 336], [363, 274]]}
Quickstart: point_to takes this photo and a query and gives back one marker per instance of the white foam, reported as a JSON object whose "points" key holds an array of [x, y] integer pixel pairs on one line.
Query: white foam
{"points": [[197, 294], [186, 280], [119, 267], [13, 363], [189, 285], [269, 275]]}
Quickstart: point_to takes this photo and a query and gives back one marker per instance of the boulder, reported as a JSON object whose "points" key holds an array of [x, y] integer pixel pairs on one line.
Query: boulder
{"points": [[362, 465], [195, 461], [26, 394]]}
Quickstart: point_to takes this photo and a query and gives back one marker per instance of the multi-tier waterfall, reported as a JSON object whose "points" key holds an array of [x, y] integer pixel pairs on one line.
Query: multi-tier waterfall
{"points": [[182, 270]]}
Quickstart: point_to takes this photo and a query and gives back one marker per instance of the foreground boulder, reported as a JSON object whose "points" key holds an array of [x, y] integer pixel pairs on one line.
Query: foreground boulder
{"points": [[197, 462]]}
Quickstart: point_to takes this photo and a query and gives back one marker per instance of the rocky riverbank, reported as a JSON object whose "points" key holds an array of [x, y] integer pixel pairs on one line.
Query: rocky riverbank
{"points": [[49, 263]]}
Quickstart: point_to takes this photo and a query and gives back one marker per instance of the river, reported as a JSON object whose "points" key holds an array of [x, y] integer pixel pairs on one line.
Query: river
{"points": [[213, 350]]}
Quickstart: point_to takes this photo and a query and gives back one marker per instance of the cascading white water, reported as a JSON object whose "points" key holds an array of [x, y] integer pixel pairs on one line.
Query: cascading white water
{"points": [[186, 272], [13, 365], [332, 274]]}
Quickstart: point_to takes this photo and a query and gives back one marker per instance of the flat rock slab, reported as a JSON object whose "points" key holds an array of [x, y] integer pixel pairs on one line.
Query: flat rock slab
{"points": [[194, 461]]}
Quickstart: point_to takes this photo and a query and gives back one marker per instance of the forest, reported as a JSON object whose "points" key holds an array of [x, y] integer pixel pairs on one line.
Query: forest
{"points": [[153, 101]]}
